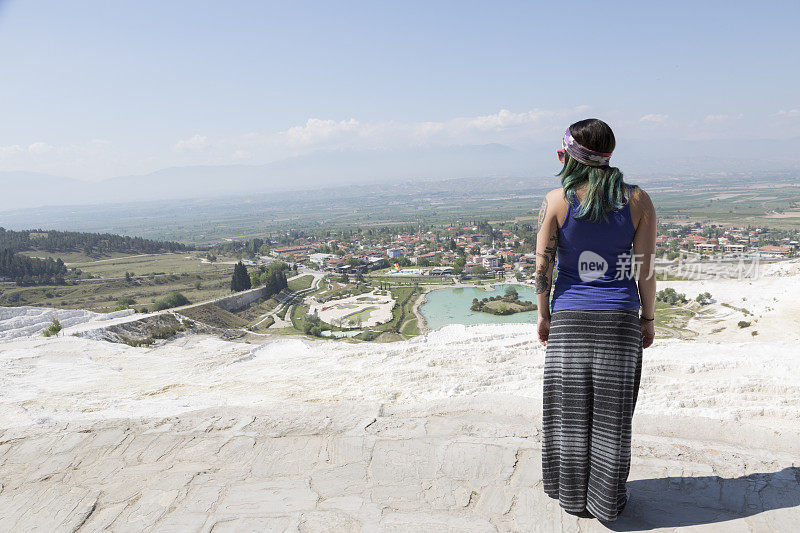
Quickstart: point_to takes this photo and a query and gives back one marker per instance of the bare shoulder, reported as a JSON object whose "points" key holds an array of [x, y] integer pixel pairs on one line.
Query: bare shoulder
{"points": [[642, 209], [640, 199], [554, 207], [556, 199], [555, 195]]}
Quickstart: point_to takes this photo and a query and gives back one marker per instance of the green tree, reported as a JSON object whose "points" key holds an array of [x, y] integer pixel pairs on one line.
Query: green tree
{"points": [[52, 329], [458, 265], [275, 281], [704, 298], [403, 261], [240, 281], [670, 296], [124, 303], [173, 299]]}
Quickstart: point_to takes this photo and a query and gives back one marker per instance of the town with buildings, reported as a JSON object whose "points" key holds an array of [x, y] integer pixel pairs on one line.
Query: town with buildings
{"points": [[497, 251]]}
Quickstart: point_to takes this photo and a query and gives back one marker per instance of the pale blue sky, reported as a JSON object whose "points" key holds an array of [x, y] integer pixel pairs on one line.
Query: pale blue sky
{"points": [[91, 89]]}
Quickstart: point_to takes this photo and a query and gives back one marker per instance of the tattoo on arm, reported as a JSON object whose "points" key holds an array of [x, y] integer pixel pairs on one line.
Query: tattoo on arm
{"points": [[546, 258], [544, 273], [542, 283], [551, 248], [542, 212]]}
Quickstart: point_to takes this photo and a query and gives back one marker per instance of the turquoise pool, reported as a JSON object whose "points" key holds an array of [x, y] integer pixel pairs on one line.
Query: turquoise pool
{"points": [[452, 306]]}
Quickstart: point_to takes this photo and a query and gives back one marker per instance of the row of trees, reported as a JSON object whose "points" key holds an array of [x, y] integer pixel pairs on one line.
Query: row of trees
{"points": [[90, 243], [384, 234], [671, 297], [31, 271], [248, 248]]}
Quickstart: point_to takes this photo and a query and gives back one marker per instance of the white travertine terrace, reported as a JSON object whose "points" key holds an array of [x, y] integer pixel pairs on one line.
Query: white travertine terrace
{"points": [[438, 432]]}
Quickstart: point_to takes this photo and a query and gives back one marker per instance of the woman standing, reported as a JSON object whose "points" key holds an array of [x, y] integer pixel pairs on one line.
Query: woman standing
{"points": [[597, 228]]}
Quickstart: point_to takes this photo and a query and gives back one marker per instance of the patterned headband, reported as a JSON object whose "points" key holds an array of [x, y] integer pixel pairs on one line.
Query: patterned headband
{"points": [[583, 154]]}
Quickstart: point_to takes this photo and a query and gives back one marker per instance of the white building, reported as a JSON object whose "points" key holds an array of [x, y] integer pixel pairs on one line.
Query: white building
{"points": [[490, 261], [735, 248], [320, 258]]}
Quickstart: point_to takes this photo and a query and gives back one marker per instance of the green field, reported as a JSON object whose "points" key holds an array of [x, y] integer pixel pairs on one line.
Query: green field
{"points": [[73, 257], [402, 312], [142, 265], [301, 283], [758, 204], [102, 295], [154, 276], [299, 311], [410, 328]]}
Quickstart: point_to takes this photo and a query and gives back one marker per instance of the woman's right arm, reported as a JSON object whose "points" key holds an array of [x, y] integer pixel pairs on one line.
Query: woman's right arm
{"points": [[644, 250], [546, 245]]}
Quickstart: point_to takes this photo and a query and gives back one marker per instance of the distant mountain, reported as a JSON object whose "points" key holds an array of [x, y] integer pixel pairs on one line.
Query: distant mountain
{"points": [[318, 169], [353, 167], [28, 189]]}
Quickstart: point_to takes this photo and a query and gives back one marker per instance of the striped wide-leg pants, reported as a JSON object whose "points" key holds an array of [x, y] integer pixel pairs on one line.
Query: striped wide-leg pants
{"points": [[592, 370]]}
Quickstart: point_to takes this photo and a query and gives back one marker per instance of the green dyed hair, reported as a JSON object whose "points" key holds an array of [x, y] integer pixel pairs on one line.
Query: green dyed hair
{"points": [[606, 188]]}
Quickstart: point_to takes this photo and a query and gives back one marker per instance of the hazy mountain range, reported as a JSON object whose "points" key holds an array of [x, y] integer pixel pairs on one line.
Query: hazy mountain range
{"points": [[320, 169], [325, 169]]}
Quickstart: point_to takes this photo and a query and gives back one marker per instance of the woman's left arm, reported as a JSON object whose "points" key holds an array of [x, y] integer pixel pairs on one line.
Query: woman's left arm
{"points": [[644, 250]]}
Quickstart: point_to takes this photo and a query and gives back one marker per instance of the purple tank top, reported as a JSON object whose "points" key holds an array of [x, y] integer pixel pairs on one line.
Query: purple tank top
{"points": [[594, 261]]}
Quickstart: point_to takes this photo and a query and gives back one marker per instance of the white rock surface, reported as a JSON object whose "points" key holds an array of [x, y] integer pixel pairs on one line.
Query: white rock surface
{"points": [[26, 321], [441, 432]]}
